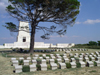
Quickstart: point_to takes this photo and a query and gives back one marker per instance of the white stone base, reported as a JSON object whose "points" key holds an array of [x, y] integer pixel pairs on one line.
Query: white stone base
{"points": [[82, 64], [43, 67], [90, 63], [98, 63], [18, 69], [62, 65], [26, 62], [53, 66], [32, 68], [73, 65]]}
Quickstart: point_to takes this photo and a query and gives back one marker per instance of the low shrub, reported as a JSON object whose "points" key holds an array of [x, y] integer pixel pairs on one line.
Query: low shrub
{"points": [[48, 55], [56, 61], [47, 62], [38, 61], [49, 67], [26, 69], [40, 55], [68, 65], [71, 57], [77, 60], [90, 59], [61, 55], [95, 64], [4, 54], [44, 57], [21, 62], [38, 67], [78, 65]]}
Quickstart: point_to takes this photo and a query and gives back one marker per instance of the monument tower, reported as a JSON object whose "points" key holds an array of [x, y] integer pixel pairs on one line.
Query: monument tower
{"points": [[23, 34], [23, 40]]}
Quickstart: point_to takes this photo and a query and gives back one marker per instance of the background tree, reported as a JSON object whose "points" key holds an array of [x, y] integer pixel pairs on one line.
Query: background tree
{"points": [[98, 43], [92, 43], [60, 12]]}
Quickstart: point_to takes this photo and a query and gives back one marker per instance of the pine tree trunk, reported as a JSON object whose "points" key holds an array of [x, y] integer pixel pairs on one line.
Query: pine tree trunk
{"points": [[32, 39]]}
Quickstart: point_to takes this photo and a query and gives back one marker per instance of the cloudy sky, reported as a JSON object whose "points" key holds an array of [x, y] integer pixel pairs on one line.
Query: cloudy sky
{"points": [[86, 28]]}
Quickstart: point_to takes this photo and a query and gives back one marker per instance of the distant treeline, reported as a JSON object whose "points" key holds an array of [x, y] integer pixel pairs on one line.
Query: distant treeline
{"points": [[90, 45]]}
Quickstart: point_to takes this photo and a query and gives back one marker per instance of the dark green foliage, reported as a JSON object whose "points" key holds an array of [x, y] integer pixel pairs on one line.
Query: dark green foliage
{"points": [[12, 27], [78, 65], [92, 43], [98, 43], [38, 67], [71, 57], [4, 54], [77, 60], [47, 62], [92, 71], [44, 58], [60, 12], [40, 55], [56, 61], [95, 64], [26, 69], [38, 61], [68, 65], [49, 67], [90, 59], [21, 62], [48, 55], [61, 55]]}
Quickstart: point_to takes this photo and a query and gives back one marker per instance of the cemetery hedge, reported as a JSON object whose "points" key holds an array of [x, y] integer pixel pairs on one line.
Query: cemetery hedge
{"points": [[26, 69], [89, 47]]}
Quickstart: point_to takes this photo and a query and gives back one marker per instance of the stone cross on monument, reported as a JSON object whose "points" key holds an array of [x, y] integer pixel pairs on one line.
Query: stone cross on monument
{"points": [[23, 34]]}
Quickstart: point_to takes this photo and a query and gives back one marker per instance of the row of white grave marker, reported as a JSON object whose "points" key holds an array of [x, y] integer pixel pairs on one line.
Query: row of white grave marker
{"points": [[73, 49], [52, 58]]}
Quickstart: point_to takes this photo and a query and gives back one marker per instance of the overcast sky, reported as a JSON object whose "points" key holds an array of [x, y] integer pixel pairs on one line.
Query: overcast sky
{"points": [[87, 27]]}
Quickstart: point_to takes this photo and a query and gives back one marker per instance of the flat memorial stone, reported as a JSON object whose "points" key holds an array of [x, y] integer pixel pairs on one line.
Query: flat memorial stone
{"points": [[43, 61], [35, 58], [82, 64], [41, 57], [53, 66], [47, 58], [26, 62], [73, 60], [13, 59], [66, 60], [90, 63], [32, 67], [59, 60], [73, 64], [15, 63], [62, 65], [43, 67], [21, 58], [36, 55], [98, 63], [34, 62], [18, 69], [28, 58]]}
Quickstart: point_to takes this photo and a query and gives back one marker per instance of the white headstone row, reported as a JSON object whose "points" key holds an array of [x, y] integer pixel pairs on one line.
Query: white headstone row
{"points": [[69, 49]]}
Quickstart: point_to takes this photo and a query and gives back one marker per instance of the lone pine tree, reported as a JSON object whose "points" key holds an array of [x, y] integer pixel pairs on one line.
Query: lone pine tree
{"points": [[60, 12]]}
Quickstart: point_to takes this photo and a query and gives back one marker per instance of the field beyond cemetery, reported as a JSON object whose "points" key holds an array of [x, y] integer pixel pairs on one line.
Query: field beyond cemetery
{"points": [[7, 69]]}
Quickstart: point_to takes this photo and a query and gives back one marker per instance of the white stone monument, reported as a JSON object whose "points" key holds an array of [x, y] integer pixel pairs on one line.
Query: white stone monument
{"points": [[23, 40]]}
